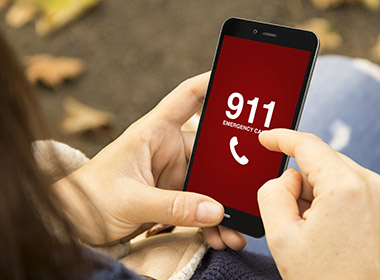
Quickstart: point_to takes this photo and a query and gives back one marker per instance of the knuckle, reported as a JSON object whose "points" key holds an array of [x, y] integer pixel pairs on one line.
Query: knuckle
{"points": [[308, 140], [261, 193], [136, 132], [266, 190], [310, 137], [178, 212], [145, 135], [188, 85], [276, 240], [185, 83], [354, 185]]}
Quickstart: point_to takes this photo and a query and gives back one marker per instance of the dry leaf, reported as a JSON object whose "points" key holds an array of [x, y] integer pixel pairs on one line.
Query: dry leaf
{"points": [[20, 14], [372, 4], [326, 4], [376, 50], [80, 118], [322, 27], [56, 14], [52, 71], [3, 4]]}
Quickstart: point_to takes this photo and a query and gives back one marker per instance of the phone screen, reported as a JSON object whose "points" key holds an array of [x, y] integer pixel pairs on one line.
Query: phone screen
{"points": [[256, 86]]}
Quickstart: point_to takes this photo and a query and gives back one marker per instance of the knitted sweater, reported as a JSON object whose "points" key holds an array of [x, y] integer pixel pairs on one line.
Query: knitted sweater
{"points": [[229, 264], [215, 265]]}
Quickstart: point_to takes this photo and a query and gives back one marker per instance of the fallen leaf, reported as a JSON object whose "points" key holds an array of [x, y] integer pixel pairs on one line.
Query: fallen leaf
{"points": [[3, 4], [80, 118], [52, 71], [322, 27], [326, 4], [375, 51], [20, 14], [372, 4], [56, 14]]}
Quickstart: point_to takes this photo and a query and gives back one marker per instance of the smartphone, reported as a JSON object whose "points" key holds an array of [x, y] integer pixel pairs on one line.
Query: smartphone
{"points": [[259, 81]]}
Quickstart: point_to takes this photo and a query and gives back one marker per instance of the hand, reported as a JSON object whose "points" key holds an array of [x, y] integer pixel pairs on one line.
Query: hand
{"points": [[322, 223], [132, 181]]}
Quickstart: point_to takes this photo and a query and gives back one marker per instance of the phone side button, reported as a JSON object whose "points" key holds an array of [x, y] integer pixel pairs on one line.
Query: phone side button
{"points": [[227, 215]]}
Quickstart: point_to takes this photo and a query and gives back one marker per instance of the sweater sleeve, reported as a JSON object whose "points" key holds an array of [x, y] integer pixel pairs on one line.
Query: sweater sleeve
{"points": [[229, 264]]}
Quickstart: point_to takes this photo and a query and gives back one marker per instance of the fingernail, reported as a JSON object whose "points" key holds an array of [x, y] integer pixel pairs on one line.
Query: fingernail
{"points": [[208, 212]]}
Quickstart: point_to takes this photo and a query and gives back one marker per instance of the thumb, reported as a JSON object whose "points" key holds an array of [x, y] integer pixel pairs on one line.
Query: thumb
{"points": [[278, 202], [179, 208]]}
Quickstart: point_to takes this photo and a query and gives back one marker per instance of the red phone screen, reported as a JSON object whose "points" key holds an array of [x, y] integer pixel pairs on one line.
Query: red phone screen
{"points": [[256, 87]]}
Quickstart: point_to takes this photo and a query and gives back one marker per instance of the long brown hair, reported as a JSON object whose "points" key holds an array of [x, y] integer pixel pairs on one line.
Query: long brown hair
{"points": [[28, 249]]}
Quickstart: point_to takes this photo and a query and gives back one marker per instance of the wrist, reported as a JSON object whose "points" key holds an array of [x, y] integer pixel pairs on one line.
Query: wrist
{"points": [[79, 210]]}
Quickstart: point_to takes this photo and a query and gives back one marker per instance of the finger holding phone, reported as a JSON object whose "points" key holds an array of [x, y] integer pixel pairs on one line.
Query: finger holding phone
{"points": [[325, 220]]}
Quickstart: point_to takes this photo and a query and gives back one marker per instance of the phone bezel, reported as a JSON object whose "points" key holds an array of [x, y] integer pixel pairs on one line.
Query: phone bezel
{"points": [[287, 37]]}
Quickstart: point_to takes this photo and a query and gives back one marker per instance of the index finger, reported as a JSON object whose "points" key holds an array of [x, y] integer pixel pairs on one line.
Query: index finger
{"points": [[184, 101], [317, 160]]}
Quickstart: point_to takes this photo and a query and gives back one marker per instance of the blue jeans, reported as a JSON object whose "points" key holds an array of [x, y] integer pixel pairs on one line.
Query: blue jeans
{"points": [[343, 108]]}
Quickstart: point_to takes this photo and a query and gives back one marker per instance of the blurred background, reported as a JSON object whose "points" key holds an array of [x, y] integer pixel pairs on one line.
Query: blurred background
{"points": [[122, 57]]}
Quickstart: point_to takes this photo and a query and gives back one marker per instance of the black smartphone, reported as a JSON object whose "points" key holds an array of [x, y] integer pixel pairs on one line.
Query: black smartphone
{"points": [[259, 81]]}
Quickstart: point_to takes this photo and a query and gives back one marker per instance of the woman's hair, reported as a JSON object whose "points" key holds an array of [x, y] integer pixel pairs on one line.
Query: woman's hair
{"points": [[28, 249]]}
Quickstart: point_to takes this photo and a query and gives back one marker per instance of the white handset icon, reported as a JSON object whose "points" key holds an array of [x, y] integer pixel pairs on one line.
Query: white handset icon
{"points": [[243, 159]]}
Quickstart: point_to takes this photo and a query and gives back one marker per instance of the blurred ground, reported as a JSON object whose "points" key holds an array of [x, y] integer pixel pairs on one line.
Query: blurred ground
{"points": [[137, 51]]}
